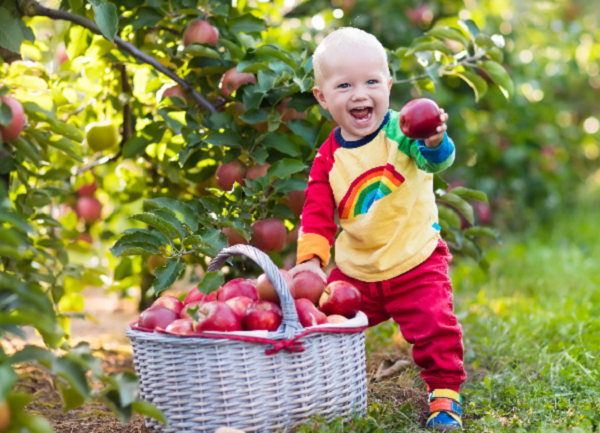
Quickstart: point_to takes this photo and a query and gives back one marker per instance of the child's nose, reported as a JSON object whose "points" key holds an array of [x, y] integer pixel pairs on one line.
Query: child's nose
{"points": [[359, 94]]}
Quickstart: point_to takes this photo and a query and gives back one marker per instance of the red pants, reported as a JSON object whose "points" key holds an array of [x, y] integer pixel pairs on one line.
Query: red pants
{"points": [[420, 301]]}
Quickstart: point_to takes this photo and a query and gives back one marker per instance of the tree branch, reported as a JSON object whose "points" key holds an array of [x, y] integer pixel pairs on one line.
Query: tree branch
{"points": [[465, 62], [33, 8]]}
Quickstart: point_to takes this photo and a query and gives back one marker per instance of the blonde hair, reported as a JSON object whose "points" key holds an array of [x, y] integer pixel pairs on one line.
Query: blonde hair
{"points": [[345, 37]]}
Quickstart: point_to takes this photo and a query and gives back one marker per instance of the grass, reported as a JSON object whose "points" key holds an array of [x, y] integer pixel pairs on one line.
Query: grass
{"points": [[532, 338]]}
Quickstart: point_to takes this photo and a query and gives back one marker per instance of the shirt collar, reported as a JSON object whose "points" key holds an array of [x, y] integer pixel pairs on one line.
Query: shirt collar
{"points": [[358, 143]]}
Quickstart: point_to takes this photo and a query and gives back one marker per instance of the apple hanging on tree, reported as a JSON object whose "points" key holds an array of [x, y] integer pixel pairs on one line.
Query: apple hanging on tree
{"points": [[89, 209], [269, 235], [200, 32], [16, 125], [101, 136], [228, 174], [232, 80]]}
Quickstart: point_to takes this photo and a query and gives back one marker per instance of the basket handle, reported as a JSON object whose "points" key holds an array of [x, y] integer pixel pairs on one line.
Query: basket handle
{"points": [[290, 325]]}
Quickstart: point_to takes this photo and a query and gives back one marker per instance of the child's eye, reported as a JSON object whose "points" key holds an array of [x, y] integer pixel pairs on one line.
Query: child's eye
{"points": [[344, 86], [372, 82]]}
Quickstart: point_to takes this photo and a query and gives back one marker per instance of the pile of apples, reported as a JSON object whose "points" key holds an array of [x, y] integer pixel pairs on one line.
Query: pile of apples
{"points": [[251, 305]]}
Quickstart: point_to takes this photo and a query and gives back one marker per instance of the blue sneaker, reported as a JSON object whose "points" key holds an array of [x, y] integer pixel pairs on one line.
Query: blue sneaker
{"points": [[444, 410]]}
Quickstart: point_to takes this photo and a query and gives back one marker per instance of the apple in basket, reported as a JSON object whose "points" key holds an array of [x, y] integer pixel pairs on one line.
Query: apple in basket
{"points": [[308, 314], [217, 316], [340, 298], [262, 315], [170, 302], [235, 288], [336, 318], [308, 285], [196, 295], [266, 289], [156, 317], [181, 327], [239, 305]]}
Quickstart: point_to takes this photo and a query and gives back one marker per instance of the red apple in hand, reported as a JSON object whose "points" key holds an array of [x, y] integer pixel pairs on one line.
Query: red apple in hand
{"points": [[200, 32], [196, 295], [268, 235], [336, 318], [420, 118], [217, 316], [170, 302], [156, 317], [239, 305], [308, 285], [181, 327], [308, 314], [266, 289], [228, 174], [340, 298], [16, 125], [262, 315], [235, 288]]}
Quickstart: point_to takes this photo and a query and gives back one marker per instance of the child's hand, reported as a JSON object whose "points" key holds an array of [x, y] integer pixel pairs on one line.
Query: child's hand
{"points": [[435, 140], [313, 265]]}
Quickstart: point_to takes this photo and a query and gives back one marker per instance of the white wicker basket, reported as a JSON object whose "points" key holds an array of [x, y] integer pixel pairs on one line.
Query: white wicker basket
{"points": [[213, 380]]}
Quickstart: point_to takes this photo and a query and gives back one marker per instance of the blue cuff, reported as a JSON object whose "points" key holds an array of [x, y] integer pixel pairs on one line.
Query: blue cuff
{"points": [[440, 153]]}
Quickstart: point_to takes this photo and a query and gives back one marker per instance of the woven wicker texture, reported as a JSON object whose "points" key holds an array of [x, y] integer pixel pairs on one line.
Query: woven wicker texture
{"points": [[203, 384]]}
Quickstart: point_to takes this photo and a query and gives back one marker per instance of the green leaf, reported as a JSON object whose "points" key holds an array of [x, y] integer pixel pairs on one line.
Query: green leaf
{"points": [[128, 386], [70, 397], [78, 40], [149, 410], [213, 241], [304, 129], [285, 167], [499, 75], [276, 52], [182, 211], [134, 249], [38, 114], [495, 54], [448, 215], [430, 46], [282, 143], [166, 276], [477, 83], [482, 40], [105, 15], [470, 194], [482, 231], [254, 116], [470, 26], [235, 50], [247, 23], [145, 17], [9, 378], [5, 114], [158, 223], [140, 237], [69, 147], [11, 36], [152, 133], [192, 240], [170, 217], [461, 205], [251, 98], [198, 50], [439, 183], [266, 80], [211, 282], [302, 101], [449, 33]]}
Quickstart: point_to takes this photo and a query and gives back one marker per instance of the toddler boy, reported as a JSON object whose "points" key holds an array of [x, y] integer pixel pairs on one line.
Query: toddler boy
{"points": [[379, 184]]}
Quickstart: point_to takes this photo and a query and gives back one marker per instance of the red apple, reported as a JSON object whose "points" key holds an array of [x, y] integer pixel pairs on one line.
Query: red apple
{"points": [[89, 209], [308, 285], [88, 189], [232, 80], [233, 237], [239, 305], [420, 118], [266, 289], [200, 32], [237, 287], [336, 318], [308, 314], [257, 171], [262, 315], [288, 114], [170, 302], [340, 298], [181, 327], [16, 125], [85, 237], [217, 316], [269, 235], [61, 53], [175, 92], [196, 295], [295, 201], [228, 174], [156, 317]]}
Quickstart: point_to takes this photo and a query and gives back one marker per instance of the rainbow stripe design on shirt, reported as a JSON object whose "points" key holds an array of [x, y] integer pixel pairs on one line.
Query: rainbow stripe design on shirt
{"points": [[367, 189]]}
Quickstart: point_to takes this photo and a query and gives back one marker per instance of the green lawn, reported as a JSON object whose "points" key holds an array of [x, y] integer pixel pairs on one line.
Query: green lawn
{"points": [[532, 338]]}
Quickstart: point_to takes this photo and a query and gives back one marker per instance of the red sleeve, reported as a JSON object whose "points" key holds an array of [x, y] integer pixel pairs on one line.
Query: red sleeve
{"points": [[318, 226]]}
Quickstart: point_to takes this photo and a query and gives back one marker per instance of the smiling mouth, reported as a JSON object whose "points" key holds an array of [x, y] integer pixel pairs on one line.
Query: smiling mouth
{"points": [[362, 114]]}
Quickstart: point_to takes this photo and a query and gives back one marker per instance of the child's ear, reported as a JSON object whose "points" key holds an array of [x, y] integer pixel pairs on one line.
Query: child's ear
{"points": [[320, 97], [390, 82]]}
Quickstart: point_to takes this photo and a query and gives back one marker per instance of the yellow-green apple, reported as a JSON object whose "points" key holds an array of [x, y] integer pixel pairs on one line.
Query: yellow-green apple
{"points": [[101, 136], [340, 298], [308, 285], [196, 295], [181, 327], [233, 236], [232, 80], [200, 32], [308, 314], [217, 316], [170, 302], [228, 174], [269, 235], [262, 315], [156, 317], [266, 289], [258, 170], [155, 261], [88, 208], [295, 200], [237, 287], [16, 125], [420, 118], [239, 305], [336, 318]]}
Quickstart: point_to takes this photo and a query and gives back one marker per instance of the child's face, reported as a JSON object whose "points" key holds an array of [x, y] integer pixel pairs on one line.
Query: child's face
{"points": [[355, 89]]}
